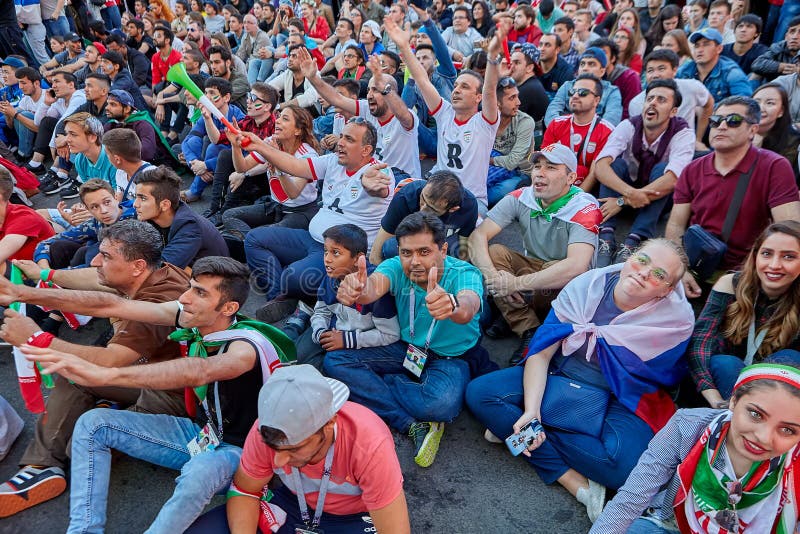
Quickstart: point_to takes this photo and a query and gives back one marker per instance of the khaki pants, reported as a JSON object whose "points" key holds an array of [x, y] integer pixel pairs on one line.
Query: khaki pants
{"points": [[522, 317], [67, 402]]}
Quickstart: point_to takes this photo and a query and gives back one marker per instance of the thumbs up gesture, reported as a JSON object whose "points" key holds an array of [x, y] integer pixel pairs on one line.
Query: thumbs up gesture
{"points": [[353, 284], [440, 306]]}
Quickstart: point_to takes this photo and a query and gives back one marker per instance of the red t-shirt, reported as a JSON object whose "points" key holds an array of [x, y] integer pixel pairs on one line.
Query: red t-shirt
{"points": [[559, 132], [160, 67], [365, 474], [709, 193], [22, 220]]}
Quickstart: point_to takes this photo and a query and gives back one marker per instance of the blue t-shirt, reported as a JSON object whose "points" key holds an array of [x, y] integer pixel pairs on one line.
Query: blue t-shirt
{"points": [[102, 169], [448, 339]]}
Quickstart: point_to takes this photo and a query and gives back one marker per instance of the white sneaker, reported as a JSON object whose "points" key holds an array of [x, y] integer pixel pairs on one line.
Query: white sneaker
{"points": [[491, 438], [594, 498]]}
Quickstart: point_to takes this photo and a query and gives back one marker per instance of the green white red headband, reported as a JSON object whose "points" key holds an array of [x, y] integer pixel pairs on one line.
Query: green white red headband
{"points": [[769, 371]]}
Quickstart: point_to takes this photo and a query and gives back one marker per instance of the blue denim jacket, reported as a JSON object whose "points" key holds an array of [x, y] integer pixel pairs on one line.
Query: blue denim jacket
{"points": [[443, 78], [724, 80]]}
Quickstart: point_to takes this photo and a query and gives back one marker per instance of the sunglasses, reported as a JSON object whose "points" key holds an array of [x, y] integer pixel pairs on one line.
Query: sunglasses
{"points": [[729, 519], [252, 97], [356, 120], [507, 82], [734, 120], [658, 274], [581, 92]]}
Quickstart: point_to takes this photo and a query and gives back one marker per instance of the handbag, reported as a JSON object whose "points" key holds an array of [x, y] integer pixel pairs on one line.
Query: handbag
{"points": [[705, 250], [572, 405]]}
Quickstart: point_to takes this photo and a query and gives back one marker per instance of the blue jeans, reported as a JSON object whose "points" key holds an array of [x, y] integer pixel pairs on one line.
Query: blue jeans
{"points": [[285, 261], [210, 158], [427, 141], [60, 26], [496, 191], [497, 400], [259, 70], [643, 526], [725, 368], [111, 17], [25, 137], [644, 225], [158, 439], [377, 380]]}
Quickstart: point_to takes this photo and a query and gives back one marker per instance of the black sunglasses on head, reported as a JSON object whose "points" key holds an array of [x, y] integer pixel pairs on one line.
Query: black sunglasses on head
{"points": [[733, 120]]}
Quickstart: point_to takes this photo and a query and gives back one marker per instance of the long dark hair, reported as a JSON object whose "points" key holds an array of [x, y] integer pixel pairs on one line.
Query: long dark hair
{"points": [[486, 21], [776, 139], [656, 31]]}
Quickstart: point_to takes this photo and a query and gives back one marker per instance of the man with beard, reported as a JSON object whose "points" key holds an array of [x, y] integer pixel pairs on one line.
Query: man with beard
{"points": [[384, 109], [782, 57], [525, 31], [115, 66], [295, 87], [555, 69], [92, 58], [138, 39], [138, 63], [639, 167], [122, 113], [220, 62], [532, 94]]}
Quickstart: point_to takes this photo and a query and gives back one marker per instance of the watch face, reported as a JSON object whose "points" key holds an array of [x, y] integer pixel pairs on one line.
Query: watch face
{"points": [[620, 201]]}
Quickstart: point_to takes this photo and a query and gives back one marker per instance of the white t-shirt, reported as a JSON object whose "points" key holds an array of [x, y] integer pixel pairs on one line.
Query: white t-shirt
{"points": [[309, 192], [464, 148], [344, 199], [396, 146], [694, 95]]}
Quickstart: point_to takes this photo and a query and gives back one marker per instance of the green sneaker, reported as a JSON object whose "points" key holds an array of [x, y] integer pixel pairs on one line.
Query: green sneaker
{"points": [[426, 437]]}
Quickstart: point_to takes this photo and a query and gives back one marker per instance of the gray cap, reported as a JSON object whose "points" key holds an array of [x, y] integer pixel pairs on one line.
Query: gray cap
{"points": [[298, 401], [559, 154]]}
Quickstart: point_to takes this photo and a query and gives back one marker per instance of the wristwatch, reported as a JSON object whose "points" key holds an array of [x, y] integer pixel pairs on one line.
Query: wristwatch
{"points": [[453, 301], [387, 90], [620, 201]]}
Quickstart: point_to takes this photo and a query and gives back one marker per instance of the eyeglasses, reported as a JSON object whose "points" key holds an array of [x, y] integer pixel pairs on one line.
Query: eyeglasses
{"points": [[658, 274], [252, 97], [733, 120], [350, 56], [507, 82], [581, 92]]}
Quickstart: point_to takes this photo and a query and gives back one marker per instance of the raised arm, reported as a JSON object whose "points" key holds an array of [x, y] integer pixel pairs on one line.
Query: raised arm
{"points": [[393, 100], [402, 40], [308, 66], [93, 303], [489, 100]]}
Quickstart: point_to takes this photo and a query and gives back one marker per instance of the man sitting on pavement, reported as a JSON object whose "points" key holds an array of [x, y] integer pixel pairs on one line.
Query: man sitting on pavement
{"points": [[582, 130], [300, 412], [122, 113], [639, 166], [129, 263], [438, 300], [187, 236], [230, 357], [559, 231], [706, 188], [441, 194]]}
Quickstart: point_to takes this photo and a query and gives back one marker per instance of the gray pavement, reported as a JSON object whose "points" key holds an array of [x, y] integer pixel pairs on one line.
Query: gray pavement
{"points": [[474, 486]]}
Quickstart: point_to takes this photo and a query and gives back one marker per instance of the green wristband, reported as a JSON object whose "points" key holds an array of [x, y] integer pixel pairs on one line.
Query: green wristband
{"points": [[44, 274]]}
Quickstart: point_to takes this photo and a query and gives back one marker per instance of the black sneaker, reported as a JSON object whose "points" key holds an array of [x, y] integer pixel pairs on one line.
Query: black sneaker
{"points": [[522, 349], [276, 310], [29, 487], [296, 324], [48, 178], [499, 329], [71, 190], [38, 171], [56, 185], [606, 250]]}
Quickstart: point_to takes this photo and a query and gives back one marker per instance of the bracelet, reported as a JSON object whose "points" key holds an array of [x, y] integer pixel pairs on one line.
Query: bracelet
{"points": [[494, 61], [453, 301], [41, 339], [235, 491]]}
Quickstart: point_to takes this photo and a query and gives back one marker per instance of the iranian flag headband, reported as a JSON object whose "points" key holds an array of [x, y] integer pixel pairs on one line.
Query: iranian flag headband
{"points": [[769, 371]]}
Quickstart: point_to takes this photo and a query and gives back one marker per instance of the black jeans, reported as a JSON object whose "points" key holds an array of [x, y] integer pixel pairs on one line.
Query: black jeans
{"points": [[221, 198]]}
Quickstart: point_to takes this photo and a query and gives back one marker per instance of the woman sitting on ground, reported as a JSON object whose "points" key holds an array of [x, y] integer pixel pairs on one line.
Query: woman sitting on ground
{"points": [[621, 332], [776, 131], [750, 315], [716, 471]]}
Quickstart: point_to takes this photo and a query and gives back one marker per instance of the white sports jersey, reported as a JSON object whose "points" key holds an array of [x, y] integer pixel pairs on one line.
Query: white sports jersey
{"points": [[309, 192], [464, 148], [338, 124], [344, 199], [396, 146]]}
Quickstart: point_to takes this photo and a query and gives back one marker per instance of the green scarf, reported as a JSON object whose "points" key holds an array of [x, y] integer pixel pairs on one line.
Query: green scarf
{"points": [[556, 206], [197, 348], [145, 116]]}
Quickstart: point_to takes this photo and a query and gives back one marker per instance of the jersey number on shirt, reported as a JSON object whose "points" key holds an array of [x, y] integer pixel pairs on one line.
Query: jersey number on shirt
{"points": [[454, 156], [335, 206]]}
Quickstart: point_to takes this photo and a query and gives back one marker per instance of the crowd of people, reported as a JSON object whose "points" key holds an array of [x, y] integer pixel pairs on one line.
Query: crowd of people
{"points": [[370, 154]]}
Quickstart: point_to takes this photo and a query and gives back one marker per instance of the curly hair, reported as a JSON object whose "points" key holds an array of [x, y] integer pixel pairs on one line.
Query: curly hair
{"points": [[784, 324]]}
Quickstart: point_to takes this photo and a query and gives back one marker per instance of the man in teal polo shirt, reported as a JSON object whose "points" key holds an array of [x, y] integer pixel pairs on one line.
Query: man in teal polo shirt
{"points": [[417, 384]]}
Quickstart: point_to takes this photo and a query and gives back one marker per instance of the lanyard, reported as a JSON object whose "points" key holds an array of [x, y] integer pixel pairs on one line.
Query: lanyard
{"points": [[582, 148], [218, 409], [412, 302], [132, 178], [753, 341], [323, 490]]}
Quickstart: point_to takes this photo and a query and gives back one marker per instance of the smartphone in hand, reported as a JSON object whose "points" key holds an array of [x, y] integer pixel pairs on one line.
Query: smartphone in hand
{"points": [[520, 441]]}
